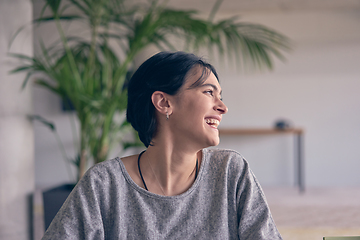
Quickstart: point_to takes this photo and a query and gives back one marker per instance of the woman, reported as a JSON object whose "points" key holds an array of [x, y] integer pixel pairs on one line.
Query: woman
{"points": [[177, 188]]}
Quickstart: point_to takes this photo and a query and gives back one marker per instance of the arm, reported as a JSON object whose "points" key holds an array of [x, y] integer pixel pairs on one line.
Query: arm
{"points": [[254, 217]]}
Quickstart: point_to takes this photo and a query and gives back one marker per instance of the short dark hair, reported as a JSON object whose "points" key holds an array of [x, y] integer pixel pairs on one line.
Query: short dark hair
{"points": [[166, 72]]}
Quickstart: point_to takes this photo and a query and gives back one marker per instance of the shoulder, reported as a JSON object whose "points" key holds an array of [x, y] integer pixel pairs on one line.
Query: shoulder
{"points": [[100, 180], [228, 162], [217, 152], [104, 171], [233, 166], [225, 156], [106, 166], [130, 163]]}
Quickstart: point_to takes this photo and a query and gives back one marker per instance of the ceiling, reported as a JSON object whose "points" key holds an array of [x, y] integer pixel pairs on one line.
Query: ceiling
{"points": [[260, 5], [244, 6]]}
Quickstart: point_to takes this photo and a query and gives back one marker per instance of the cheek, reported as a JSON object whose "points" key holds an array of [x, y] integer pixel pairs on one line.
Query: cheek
{"points": [[198, 110], [192, 106]]}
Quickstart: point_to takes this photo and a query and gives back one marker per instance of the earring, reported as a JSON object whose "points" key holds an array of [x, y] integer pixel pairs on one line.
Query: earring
{"points": [[167, 115]]}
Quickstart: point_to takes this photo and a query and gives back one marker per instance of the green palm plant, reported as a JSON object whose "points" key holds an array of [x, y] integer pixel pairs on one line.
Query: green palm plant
{"points": [[92, 73]]}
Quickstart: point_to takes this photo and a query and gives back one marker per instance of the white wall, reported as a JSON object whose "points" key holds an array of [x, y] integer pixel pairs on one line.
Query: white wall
{"points": [[316, 88], [16, 132]]}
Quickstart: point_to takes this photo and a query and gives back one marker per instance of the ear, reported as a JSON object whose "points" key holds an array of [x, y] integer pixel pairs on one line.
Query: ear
{"points": [[161, 102]]}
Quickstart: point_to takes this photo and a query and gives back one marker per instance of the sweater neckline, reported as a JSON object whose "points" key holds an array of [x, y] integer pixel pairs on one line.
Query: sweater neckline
{"points": [[141, 190]]}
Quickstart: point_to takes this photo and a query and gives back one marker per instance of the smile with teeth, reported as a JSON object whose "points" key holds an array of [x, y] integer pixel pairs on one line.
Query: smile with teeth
{"points": [[212, 122]]}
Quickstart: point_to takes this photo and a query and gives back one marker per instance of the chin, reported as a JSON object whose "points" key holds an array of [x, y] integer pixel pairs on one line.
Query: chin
{"points": [[213, 142]]}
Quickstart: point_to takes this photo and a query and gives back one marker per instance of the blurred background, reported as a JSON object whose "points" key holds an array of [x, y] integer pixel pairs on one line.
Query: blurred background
{"points": [[315, 89]]}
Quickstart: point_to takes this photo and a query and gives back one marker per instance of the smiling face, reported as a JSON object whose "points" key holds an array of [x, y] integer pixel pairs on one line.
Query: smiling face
{"points": [[197, 111]]}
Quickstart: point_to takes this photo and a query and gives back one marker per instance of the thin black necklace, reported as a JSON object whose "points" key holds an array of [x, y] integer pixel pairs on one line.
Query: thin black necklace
{"points": [[142, 178]]}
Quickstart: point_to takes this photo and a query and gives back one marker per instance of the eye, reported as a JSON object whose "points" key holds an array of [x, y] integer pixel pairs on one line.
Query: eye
{"points": [[210, 92]]}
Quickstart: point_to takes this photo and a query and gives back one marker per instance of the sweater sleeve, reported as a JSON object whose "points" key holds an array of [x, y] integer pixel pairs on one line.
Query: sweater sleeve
{"points": [[254, 217], [80, 217]]}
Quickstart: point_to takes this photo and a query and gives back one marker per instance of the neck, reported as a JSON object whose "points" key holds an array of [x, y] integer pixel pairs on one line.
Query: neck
{"points": [[169, 171]]}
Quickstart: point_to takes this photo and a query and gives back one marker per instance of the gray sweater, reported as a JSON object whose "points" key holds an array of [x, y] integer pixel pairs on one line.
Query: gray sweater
{"points": [[225, 202]]}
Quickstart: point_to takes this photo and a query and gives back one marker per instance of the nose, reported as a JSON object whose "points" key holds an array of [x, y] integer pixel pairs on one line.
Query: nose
{"points": [[221, 107]]}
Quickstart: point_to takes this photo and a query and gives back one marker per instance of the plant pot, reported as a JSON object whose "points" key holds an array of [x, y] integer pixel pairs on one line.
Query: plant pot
{"points": [[53, 199]]}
